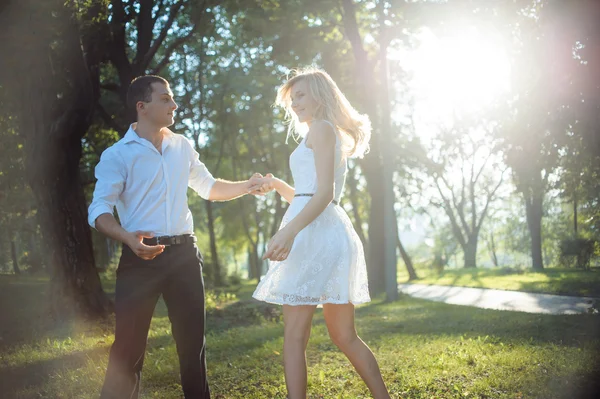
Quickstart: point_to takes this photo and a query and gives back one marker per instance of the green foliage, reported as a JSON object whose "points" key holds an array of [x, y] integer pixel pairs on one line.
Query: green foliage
{"points": [[577, 252]]}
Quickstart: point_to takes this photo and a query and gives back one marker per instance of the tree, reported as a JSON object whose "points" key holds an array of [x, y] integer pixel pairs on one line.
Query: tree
{"points": [[140, 39], [466, 202], [535, 122], [49, 78], [577, 59]]}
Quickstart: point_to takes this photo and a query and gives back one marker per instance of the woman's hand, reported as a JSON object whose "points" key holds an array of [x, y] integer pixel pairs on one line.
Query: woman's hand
{"points": [[260, 185], [255, 184], [280, 245], [267, 183]]}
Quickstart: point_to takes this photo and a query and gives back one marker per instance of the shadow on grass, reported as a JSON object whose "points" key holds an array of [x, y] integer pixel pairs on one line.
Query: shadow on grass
{"points": [[421, 317], [430, 320], [24, 319], [570, 282], [26, 322], [33, 377]]}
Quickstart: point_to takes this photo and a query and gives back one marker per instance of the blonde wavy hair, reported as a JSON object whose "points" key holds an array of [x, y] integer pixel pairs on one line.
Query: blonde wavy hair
{"points": [[332, 106]]}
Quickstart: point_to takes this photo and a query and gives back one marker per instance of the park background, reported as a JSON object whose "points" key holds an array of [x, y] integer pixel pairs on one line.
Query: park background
{"points": [[483, 171]]}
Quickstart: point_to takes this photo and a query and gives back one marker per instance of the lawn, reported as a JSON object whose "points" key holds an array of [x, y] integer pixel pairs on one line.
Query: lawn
{"points": [[425, 349], [550, 281]]}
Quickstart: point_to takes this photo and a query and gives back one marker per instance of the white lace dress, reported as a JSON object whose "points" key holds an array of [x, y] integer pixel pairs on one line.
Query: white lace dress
{"points": [[326, 263]]}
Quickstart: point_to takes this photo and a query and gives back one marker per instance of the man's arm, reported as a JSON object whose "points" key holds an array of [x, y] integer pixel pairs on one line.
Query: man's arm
{"points": [[223, 190], [110, 174], [209, 188]]}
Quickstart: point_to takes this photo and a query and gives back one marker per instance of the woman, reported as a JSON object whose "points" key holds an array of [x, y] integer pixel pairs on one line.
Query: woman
{"points": [[316, 258]]}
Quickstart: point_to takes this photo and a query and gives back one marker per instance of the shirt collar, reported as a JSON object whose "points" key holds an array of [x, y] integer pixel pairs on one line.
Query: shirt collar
{"points": [[131, 135]]}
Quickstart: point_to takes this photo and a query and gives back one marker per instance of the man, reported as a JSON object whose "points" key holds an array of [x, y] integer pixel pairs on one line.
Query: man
{"points": [[146, 175]]}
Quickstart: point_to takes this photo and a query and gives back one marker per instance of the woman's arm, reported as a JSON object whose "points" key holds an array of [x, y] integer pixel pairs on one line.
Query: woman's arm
{"points": [[284, 189], [323, 146]]}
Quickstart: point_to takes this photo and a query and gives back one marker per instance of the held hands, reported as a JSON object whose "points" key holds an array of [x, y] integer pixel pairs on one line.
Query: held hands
{"points": [[146, 252], [280, 245], [259, 185]]}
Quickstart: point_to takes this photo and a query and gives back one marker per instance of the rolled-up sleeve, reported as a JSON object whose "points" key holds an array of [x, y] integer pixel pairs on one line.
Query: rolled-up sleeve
{"points": [[110, 174], [201, 180]]}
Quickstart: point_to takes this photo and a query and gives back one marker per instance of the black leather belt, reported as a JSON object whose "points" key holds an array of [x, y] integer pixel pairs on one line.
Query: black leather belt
{"points": [[310, 195], [170, 240]]}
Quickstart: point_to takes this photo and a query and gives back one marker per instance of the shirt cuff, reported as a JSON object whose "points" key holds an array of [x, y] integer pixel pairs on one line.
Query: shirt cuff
{"points": [[206, 188], [97, 210]]}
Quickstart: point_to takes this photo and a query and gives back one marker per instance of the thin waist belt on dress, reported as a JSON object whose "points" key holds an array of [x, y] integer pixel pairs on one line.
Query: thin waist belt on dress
{"points": [[310, 195]]}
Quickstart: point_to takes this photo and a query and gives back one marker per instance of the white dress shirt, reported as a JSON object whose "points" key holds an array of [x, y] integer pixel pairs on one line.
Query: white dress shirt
{"points": [[149, 189]]}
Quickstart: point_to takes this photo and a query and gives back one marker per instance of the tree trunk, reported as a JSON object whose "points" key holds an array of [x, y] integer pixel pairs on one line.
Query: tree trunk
{"points": [[376, 232], [235, 262], [470, 252], [575, 214], [387, 160], [351, 182], [412, 274], [492, 248], [214, 254], [13, 254], [75, 284], [35, 248], [534, 210], [253, 264], [250, 265], [371, 165], [279, 212], [54, 87]]}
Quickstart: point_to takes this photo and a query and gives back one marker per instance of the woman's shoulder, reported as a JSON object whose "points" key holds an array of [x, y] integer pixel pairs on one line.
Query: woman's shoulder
{"points": [[322, 132], [325, 127]]}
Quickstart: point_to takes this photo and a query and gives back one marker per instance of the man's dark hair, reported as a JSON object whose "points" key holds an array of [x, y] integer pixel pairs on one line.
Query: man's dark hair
{"points": [[140, 89]]}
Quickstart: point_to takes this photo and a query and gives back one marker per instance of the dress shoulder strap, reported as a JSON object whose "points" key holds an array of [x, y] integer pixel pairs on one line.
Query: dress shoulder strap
{"points": [[330, 124]]}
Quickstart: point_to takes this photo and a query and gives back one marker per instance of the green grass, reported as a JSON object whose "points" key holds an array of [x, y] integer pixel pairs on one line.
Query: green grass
{"points": [[425, 350], [550, 281]]}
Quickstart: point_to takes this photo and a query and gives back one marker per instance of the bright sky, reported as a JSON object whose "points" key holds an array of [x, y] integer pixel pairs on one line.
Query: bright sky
{"points": [[459, 74]]}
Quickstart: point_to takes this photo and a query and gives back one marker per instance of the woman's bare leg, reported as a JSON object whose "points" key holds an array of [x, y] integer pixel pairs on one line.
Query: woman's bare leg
{"points": [[340, 323], [297, 323]]}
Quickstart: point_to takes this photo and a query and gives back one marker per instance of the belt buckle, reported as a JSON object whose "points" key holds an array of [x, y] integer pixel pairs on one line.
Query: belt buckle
{"points": [[158, 241]]}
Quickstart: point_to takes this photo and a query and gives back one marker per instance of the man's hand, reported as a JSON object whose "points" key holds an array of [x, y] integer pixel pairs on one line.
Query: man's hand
{"points": [[260, 185], [268, 181], [146, 252], [254, 184]]}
